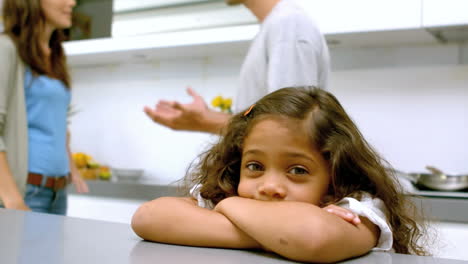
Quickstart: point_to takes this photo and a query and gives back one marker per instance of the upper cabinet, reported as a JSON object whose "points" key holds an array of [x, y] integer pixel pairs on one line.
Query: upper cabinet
{"points": [[346, 16], [188, 28], [439, 13], [447, 20]]}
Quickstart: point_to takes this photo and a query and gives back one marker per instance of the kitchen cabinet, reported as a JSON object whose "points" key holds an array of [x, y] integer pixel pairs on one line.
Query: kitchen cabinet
{"points": [[447, 19], [358, 22], [438, 13], [450, 239], [186, 44], [114, 201], [344, 23], [118, 210], [342, 16]]}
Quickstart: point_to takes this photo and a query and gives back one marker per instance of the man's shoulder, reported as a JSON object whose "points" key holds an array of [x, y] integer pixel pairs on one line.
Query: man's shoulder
{"points": [[292, 17], [295, 24]]}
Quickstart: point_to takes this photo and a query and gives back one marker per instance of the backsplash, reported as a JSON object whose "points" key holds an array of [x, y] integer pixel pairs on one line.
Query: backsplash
{"points": [[414, 113]]}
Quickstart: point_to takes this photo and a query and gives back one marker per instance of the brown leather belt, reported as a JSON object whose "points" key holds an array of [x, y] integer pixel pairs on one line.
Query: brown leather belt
{"points": [[52, 183]]}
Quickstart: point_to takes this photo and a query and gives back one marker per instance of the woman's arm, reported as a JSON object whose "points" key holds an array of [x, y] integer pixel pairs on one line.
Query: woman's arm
{"points": [[300, 231], [178, 220], [80, 185], [9, 193]]}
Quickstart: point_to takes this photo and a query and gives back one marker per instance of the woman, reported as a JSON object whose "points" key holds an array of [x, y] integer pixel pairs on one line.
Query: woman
{"points": [[34, 101]]}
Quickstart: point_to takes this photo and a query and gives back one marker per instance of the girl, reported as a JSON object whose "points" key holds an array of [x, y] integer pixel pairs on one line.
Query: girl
{"points": [[278, 164], [34, 99]]}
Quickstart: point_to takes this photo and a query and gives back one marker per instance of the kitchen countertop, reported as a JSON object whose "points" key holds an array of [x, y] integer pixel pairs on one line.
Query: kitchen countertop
{"points": [[29, 237], [137, 190]]}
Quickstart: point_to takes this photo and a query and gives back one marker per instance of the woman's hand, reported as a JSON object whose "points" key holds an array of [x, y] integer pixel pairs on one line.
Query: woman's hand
{"points": [[80, 185], [343, 213], [18, 205], [75, 177]]}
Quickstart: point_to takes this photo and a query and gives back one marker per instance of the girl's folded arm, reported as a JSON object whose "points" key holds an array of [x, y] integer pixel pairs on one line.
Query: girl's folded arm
{"points": [[178, 220], [300, 231]]}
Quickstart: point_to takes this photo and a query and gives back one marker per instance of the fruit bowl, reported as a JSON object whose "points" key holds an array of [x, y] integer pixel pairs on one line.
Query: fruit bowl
{"points": [[128, 175]]}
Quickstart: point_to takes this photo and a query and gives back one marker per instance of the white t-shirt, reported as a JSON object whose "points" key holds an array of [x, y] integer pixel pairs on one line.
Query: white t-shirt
{"points": [[289, 50], [371, 208]]}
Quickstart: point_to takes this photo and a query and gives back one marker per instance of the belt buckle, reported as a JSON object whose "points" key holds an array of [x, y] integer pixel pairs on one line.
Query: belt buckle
{"points": [[59, 183]]}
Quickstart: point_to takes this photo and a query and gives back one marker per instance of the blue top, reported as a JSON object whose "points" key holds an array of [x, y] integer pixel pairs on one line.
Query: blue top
{"points": [[47, 102]]}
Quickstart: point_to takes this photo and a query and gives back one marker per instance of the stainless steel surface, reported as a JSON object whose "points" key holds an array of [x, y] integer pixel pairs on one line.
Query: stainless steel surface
{"points": [[443, 182], [29, 237], [437, 180], [439, 208], [128, 190]]}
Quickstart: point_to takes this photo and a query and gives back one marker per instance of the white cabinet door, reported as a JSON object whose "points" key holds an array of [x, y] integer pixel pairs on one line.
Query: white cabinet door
{"points": [[343, 16], [102, 208], [438, 13], [450, 240]]}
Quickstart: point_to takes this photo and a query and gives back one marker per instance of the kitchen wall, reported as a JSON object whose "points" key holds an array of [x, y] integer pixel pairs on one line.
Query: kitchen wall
{"points": [[409, 101]]}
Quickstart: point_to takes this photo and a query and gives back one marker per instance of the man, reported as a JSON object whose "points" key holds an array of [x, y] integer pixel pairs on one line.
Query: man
{"points": [[289, 50]]}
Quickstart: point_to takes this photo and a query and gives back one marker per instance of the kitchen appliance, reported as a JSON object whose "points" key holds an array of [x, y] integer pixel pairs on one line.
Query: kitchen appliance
{"points": [[91, 19], [437, 180]]}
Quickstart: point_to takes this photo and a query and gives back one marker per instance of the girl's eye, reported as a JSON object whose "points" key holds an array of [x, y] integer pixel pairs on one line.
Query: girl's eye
{"points": [[298, 170], [254, 166]]}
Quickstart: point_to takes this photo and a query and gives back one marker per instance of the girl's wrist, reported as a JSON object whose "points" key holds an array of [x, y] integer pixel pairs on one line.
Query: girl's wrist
{"points": [[225, 203]]}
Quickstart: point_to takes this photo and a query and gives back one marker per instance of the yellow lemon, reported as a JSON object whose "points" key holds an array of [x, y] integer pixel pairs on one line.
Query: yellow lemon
{"points": [[227, 103], [217, 101]]}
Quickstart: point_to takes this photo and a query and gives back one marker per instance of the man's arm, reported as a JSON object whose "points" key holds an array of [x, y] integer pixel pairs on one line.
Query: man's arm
{"points": [[178, 220], [300, 231], [195, 116]]}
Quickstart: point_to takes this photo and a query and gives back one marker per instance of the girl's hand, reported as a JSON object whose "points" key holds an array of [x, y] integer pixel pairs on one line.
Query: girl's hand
{"points": [[343, 213]]}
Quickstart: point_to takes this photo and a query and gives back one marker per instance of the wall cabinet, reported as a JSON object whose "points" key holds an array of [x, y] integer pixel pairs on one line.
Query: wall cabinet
{"points": [[357, 23], [342, 16], [102, 208], [439, 13]]}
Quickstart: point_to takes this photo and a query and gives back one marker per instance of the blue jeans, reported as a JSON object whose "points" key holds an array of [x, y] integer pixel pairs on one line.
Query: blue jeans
{"points": [[45, 200]]}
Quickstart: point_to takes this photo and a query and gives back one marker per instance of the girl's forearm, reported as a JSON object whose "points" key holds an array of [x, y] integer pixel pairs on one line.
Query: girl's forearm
{"points": [[277, 226], [180, 221], [295, 230]]}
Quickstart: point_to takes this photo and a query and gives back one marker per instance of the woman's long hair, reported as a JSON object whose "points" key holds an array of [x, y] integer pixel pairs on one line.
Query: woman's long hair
{"points": [[23, 23], [354, 166]]}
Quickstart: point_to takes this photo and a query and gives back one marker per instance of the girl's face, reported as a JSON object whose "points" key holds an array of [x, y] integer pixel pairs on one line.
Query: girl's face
{"points": [[279, 164], [58, 13]]}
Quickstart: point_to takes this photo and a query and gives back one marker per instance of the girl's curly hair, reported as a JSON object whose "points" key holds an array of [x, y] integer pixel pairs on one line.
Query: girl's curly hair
{"points": [[355, 167]]}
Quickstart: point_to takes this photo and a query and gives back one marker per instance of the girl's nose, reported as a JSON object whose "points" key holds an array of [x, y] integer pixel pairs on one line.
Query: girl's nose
{"points": [[272, 189]]}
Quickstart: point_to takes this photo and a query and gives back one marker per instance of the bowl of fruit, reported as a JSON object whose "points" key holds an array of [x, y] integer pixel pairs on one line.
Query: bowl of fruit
{"points": [[90, 169]]}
